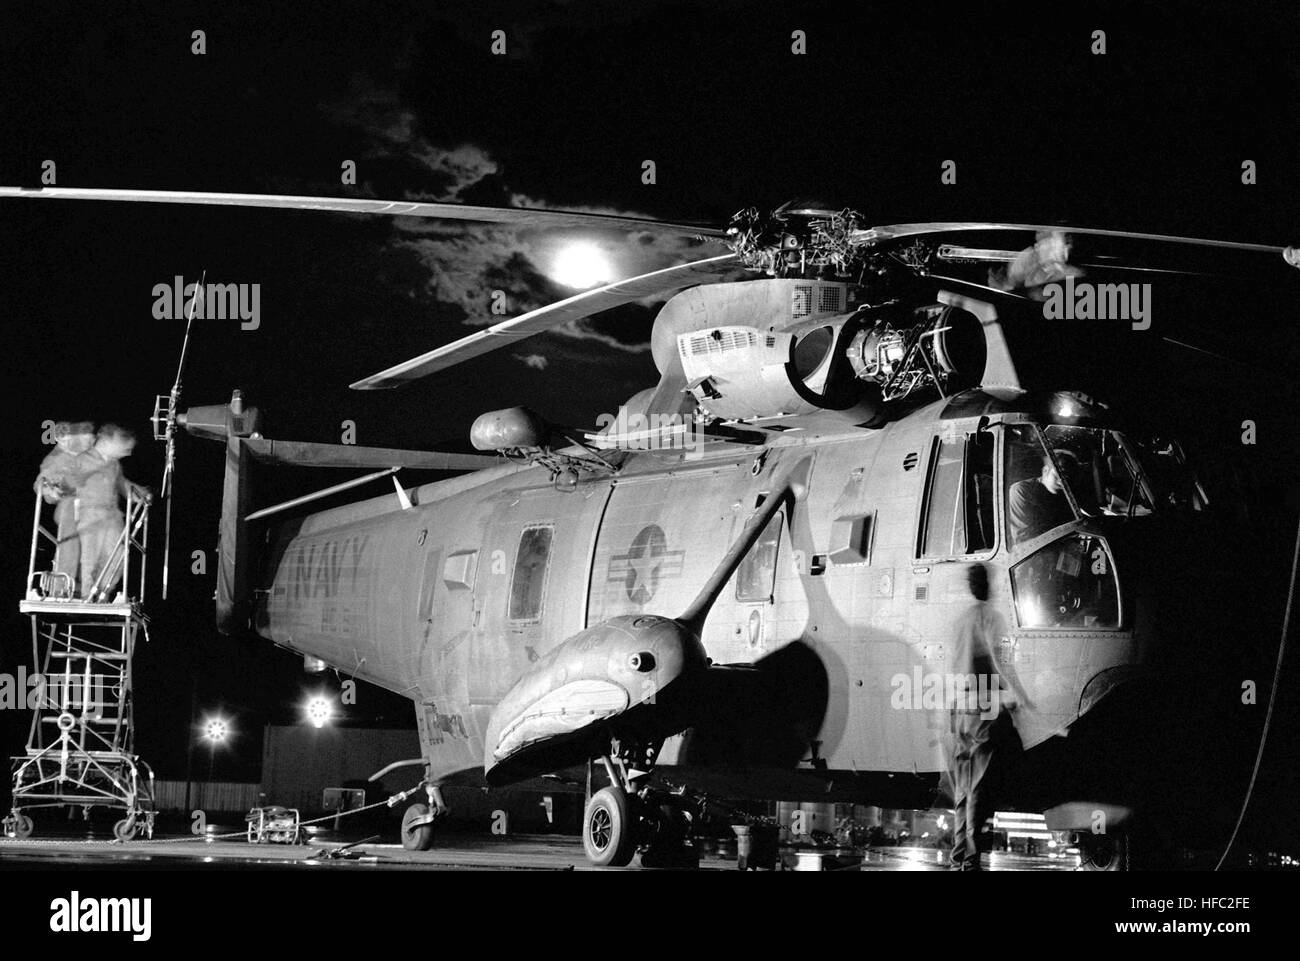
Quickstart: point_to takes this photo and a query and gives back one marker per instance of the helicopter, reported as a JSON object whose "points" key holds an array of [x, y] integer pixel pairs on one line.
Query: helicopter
{"points": [[743, 585]]}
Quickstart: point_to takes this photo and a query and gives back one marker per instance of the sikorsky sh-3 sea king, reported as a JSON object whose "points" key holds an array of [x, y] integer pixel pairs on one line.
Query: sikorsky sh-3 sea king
{"points": [[742, 586]]}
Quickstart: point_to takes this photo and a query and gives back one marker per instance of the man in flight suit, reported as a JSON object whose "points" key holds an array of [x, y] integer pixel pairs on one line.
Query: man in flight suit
{"points": [[57, 483], [974, 715]]}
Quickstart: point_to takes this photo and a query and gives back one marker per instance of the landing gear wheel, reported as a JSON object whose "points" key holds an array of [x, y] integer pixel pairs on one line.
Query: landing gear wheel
{"points": [[608, 828], [418, 837], [1105, 852], [124, 830], [22, 827]]}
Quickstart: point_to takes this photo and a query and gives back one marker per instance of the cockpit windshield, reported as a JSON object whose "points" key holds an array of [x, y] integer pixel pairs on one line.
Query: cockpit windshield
{"points": [[1059, 472], [1097, 470], [1166, 472]]}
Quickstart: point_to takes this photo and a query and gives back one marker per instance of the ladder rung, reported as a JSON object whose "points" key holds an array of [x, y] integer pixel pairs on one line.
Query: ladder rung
{"points": [[96, 655], [59, 680], [78, 678], [76, 754]]}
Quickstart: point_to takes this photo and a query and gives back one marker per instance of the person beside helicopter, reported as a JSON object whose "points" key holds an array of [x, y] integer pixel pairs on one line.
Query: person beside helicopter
{"points": [[60, 476], [100, 521], [978, 723]]}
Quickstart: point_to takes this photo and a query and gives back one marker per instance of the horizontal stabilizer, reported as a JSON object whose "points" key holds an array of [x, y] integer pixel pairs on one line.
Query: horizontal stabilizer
{"points": [[307, 454]]}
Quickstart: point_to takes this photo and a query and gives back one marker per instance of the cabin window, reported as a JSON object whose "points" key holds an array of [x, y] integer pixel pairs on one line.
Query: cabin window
{"points": [[958, 516], [757, 572], [528, 583]]}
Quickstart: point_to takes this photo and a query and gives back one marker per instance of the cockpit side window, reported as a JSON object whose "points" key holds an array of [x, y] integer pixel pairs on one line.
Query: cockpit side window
{"points": [[958, 516], [980, 535], [1035, 494], [1068, 584]]}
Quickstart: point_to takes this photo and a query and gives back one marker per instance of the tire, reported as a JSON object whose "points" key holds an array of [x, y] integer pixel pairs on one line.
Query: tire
{"points": [[1105, 852], [608, 829], [125, 829], [417, 837], [23, 827]]}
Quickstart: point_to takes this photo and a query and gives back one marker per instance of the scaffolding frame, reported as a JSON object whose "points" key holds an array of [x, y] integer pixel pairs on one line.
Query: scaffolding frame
{"points": [[81, 745]]}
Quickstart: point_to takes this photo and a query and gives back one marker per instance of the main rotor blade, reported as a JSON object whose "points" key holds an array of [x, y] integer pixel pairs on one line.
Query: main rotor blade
{"points": [[875, 235], [581, 305], [516, 216]]}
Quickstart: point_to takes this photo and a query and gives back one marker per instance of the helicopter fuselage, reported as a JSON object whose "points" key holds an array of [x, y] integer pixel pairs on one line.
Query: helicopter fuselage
{"points": [[843, 610]]}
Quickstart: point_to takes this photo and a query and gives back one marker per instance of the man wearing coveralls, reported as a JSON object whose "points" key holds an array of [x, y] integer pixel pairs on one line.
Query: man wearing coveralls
{"points": [[973, 715], [57, 483], [99, 517]]}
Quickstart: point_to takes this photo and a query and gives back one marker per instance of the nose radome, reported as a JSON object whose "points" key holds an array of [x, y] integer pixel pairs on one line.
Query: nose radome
{"points": [[623, 663], [655, 644]]}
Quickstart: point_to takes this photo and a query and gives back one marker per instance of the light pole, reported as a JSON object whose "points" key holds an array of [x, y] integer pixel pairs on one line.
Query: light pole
{"points": [[216, 730], [318, 710]]}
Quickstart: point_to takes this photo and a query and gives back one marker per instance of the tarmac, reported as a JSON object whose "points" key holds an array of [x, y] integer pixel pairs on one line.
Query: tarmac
{"points": [[465, 852]]}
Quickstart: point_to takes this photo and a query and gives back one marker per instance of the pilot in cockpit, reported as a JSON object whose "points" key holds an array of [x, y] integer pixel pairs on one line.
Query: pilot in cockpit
{"points": [[1038, 503]]}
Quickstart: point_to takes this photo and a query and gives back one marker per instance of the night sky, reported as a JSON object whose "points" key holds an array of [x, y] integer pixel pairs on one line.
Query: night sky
{"points": [[1150, 136]]}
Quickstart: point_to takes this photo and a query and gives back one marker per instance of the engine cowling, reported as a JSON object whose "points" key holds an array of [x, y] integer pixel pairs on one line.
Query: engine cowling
{"points": [[763, 349], [768, 350]]}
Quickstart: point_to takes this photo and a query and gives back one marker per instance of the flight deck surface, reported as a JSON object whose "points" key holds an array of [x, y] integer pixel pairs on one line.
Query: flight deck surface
{"points": [[534, 852]]}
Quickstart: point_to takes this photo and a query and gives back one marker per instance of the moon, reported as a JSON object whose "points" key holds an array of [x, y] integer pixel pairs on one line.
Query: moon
{"points": [[580, 265]]}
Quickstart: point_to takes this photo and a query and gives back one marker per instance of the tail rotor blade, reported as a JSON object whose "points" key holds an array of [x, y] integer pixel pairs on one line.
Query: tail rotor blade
{"points": [[169, 435], [169, 467], [167, 548]]}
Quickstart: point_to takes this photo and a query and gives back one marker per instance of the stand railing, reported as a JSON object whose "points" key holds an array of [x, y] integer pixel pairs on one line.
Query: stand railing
{"points": [[122, 578]]}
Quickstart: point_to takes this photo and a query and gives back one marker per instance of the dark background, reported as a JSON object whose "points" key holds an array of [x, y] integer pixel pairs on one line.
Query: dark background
{"points": [[1150, 136]]}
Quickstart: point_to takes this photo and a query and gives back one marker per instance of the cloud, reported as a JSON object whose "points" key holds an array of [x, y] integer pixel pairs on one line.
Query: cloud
{"points": [[534, 361], [468, 264], [586, 330], [464, 166], [393, 139]]}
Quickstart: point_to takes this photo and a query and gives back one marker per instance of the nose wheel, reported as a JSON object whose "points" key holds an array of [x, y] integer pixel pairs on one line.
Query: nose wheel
{"points": [[609, 828], [630, 816]]}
